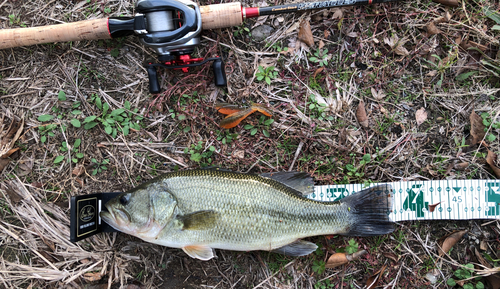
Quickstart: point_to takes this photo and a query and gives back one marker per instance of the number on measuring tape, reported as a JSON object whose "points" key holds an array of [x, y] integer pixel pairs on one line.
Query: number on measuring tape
{"points": [[457, 199]]}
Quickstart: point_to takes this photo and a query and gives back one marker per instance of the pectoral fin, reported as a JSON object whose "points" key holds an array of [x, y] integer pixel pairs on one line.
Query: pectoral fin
{"points": [[297, 248], [201, 220], [201, 252]]}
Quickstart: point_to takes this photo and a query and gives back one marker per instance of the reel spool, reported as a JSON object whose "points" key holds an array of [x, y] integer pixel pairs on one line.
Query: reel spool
{"points": [[172, 29]]}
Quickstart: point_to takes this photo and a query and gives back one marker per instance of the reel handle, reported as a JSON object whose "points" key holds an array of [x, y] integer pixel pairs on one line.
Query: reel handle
{"points": [[219, 72], [154, 86]]}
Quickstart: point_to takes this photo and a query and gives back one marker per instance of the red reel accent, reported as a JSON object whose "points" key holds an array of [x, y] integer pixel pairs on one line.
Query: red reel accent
{"points": [[183, 60]]}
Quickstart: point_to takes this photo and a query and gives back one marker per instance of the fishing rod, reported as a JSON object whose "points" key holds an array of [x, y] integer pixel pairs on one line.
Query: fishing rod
{"points": [[170, 27]]}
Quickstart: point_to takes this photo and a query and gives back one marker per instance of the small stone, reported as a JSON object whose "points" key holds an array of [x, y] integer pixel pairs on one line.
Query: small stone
{"points": [[261, 32]]}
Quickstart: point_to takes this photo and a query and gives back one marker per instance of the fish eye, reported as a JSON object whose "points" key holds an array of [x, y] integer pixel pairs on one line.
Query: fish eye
{"points": [[124, 199]]}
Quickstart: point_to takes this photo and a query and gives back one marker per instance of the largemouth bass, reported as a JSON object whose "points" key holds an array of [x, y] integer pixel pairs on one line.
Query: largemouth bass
{"points": [[199, 210]]}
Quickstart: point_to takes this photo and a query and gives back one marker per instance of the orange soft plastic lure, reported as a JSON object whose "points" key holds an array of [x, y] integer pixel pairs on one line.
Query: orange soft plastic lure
{"points": [[236, 114]]}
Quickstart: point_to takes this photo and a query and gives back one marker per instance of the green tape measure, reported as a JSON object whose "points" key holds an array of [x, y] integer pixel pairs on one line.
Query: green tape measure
{"points": [[456, 199]]}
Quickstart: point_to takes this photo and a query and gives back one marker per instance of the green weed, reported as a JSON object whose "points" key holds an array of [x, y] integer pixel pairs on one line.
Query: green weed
{"points": [[466, 273], [487, 121], [318, 266], [262, 125], [118, 120], [352, 247], [266, 74], [15, 20], [240, 30], [99, 166], [325, 284], [317, 109], [320, 57], [226, 137], [73, 151], [198, 154]]}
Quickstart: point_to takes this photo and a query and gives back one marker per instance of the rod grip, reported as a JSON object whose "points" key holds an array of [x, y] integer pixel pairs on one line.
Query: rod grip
{"points": [[81, 30], [221, 15]]}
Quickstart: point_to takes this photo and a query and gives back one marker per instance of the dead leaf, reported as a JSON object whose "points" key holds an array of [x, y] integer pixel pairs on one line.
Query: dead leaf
{"points": [[352, 34], [397, 45], [339, 259], [24, 167], [483, 245], [326, 33], [461, 166], [305, 33], [491, 159], [92, 276], [338, 13], [8, 136], [433, 207], [78, 170], [378, 95], [290, 50], [3, 164], [361, 114], [432, 29], [13, 196], [449, 241], [375, 278], [336, 260], [239, 154], [318, 71], [80, 181], [321, 44], [431, 73], [421, 116], [37, 185], [476, 127], [481, 259]]}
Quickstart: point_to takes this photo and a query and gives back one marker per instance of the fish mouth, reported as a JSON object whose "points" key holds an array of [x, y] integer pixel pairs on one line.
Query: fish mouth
{"points": [[116, 218]]}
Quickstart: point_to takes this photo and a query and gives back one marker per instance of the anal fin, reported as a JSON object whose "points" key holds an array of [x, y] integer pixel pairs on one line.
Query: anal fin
{"points": [[201, 252], [297, 248]]}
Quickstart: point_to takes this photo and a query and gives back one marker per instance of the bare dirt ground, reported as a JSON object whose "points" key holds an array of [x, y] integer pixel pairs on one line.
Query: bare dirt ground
{"points": [[428, 76]]}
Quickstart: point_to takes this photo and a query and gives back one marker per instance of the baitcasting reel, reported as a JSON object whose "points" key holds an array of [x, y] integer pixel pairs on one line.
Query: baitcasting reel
{"points": [[172, 29]]}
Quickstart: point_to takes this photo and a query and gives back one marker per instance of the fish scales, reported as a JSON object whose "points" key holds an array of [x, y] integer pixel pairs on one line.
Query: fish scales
{"points": [[199, 210], [256, 212]]}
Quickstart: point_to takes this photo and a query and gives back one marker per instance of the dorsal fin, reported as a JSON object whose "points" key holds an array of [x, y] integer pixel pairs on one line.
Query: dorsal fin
{"points": [[302, 182]]}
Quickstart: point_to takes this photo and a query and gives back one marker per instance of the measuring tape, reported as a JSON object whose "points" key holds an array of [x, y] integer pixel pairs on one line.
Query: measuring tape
{"points": [[458, 199]]}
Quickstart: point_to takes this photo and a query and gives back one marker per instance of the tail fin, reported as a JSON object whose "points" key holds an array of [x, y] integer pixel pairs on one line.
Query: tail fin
{"points": [[370, 208]]}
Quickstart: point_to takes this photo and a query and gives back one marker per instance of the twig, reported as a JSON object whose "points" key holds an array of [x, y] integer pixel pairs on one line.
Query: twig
{"points": [[297, 153], [163, 155], [268, 278]]}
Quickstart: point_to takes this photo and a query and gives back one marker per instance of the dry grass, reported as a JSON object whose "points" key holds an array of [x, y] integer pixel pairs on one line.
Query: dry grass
{"points": [[34, 215]]}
